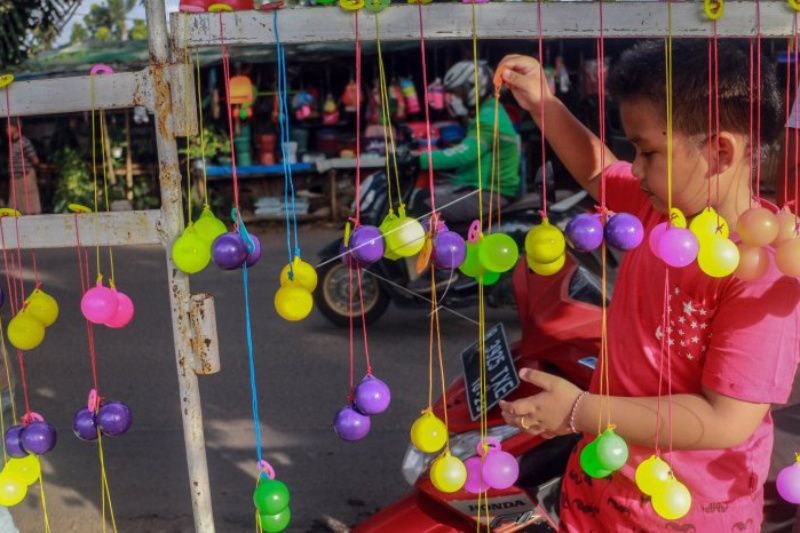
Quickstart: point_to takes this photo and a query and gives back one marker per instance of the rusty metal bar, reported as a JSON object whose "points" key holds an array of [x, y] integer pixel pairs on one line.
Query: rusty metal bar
{"points": [[171, 227]]}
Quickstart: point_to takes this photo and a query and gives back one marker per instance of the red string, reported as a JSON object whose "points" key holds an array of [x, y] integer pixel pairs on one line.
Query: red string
{"points": [[750, 130], [758, 102], [541, 103], [710, 118], [358, 126], [12, 288], [601, 95], [226, 69], [363, 321], [351, 393], [427, 110], [716, 113], [797, 112], [25, 192], [83, 266], [664, 337], [788, 135]]}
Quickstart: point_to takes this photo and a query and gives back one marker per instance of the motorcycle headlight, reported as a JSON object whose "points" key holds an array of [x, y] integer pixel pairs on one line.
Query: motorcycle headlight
{"points": [[462, 445]]}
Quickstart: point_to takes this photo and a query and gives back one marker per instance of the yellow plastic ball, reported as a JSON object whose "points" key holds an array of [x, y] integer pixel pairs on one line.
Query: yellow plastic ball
{"points": [[42, 307], [406, 237], [190, 253], [545, 243], [304, 275], [652, 474], [428, 433], [386, 227], [705, 225], [677, 218], [448, 473], [25, 332], [208, 227], [673, 501], [293, 302], [547, 269], [718, 257], [12, 488], [27, 468]]}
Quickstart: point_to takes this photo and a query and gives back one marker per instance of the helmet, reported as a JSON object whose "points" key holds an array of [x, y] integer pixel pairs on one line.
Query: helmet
{"points": [[460, 80]]}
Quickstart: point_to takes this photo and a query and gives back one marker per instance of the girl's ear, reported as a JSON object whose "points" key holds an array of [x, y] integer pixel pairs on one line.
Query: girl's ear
{"points": [[723, 152]]}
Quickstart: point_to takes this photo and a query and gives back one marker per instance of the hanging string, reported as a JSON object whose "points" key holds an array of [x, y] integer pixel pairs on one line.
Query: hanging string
{"points": [[750, 130], [202, 130], [107, 156], [388, 129], [94, 180], [226, 70], [27, 204], [787, 132], [425, 96], [717, 158], [541, 103], [796, 29], [286, 138], [358, 126], [186, 84], [758, 103]]}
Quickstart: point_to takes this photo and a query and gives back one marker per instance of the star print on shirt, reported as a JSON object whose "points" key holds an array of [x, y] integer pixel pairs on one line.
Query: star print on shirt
{"points": [[688, 328]]}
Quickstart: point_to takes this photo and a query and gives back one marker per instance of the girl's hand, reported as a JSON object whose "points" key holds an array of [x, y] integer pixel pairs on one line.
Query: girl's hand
{"points": [[523, 75], [546, 413]]}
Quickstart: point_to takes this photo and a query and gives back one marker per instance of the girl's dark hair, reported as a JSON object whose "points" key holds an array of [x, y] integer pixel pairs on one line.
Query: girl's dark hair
{"points": [[640, 72]]}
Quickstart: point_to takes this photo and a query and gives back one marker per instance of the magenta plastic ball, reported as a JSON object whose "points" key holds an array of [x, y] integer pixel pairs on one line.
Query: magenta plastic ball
{"points": [[124, 313], [678, 247], [475, 483], [14, 442], [585, 232], [114, 418], [255, 255], [654, 239], [500, 469], [38, 438], [788, 483], [372, 396], [229, 251], [351, 425], [624, 231], [449, 250], [367, 244], [99, 304], [84, 425]]}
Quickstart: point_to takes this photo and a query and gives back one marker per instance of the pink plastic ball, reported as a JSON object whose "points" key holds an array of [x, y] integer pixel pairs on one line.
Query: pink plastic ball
{"points": [[758, 226], [655, 237], [99, 304], [753, 262], [788, 483], [124, 312], [475, 483], [787, 257], [678, 247], [500, 469]]}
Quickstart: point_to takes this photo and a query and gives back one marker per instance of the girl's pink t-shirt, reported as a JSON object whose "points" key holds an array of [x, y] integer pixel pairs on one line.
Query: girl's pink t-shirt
{"points": [[740, 339]]}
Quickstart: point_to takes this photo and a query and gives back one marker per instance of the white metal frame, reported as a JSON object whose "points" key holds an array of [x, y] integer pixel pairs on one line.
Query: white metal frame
{"points": [[161, 89]]}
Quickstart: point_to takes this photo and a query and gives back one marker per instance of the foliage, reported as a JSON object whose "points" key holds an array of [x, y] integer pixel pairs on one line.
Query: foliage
{"points": [[215, 144], [29, 26], [79, 34], [108, 22], [74, 180], [138, 31]]}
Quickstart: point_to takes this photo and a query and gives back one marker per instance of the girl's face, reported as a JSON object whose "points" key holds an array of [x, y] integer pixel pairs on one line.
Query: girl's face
{"points": [[646, 128]]}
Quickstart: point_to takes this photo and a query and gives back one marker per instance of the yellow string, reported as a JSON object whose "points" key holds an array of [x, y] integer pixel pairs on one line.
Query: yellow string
{"points": [[186, 76], [388, 132], [107, 159], [104, 485], [94, 178], [202, 131], [668, 51], [44, 503]]}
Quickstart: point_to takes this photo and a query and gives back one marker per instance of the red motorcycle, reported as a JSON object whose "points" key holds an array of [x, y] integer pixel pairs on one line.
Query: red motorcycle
{"points": [[560, 317]]}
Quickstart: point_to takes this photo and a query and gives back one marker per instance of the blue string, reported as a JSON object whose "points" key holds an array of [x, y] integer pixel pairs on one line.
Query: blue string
{"points": [[251, 360], [291, 225]]}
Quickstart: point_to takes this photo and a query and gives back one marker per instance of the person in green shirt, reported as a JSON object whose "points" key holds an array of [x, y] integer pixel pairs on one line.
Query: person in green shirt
{"points": [[460, 162]]}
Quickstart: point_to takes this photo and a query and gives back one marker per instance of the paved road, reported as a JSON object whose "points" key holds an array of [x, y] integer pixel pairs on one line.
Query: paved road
{"points": [[302, 379]]}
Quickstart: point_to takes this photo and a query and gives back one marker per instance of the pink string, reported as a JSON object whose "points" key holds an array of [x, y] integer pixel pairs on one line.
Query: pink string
{"points": [[226, 68], [427, 111], [758, 102], [664, 337], [788, 135], [358, 126], [750, 130], [363, 321], [83, 266], [351, 393]]}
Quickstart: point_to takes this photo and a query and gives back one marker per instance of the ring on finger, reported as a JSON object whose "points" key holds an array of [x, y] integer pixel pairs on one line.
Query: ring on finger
{"points": [[523, 423]]}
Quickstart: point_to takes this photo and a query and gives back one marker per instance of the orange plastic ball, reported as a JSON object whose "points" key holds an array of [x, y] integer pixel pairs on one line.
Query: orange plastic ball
{"points": [[757, 226], [787, 226], [753, 262], [787, 257]]}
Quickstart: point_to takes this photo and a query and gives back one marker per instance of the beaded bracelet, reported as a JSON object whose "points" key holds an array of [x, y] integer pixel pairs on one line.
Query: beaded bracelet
{"points": [[574, 411]]}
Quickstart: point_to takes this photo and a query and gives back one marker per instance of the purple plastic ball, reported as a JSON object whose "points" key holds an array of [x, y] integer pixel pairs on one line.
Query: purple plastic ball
{"points": [[114, 418], [654, 240], [624, 231], [788, 483], [38, 438], [585, 232], [372, 396], [440, 227], [475, 483], [84, 425], [255, 255], [678, 247], [500, 469], [229, 251], [449, 250], [367, 244], [14, 443], [351, 425]]}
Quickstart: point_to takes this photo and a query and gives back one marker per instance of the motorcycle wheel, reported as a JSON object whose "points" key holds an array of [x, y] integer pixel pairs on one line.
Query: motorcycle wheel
{"points": [[332, 293]]}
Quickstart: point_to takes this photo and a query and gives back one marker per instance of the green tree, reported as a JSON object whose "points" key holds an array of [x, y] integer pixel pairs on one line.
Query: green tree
{"points": [[30, 26], [112, 16], [79, 33], [138, 30]]}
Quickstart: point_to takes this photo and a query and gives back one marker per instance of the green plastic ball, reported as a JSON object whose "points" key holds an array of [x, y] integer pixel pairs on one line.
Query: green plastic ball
{"points": [[271, 496], [472, 263], [612, 452], [498, 253], [488, 278], [274, 523], [190, 253], [208, 227], [590, 463]]}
